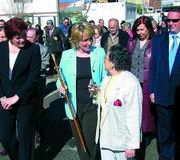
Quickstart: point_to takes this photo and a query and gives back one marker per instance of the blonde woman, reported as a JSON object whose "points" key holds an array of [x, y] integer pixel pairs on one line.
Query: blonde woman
{"points": [[79, 66]]}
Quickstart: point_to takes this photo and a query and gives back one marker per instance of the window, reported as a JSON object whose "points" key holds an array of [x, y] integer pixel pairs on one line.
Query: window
{"points": [[22, 1]]}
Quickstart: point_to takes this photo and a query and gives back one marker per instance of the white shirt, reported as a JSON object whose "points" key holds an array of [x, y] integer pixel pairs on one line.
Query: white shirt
{"points": [[12, 60]]}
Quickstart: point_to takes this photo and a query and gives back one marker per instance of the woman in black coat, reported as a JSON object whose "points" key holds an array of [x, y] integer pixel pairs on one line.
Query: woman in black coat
{"points": [[20, 64]]}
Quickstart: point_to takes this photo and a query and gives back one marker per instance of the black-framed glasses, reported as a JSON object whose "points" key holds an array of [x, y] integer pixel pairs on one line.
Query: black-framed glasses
{"points": [[173, 20]]}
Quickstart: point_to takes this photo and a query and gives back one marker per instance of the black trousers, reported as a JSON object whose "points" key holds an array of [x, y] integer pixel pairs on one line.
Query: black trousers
{"points": [[87, 118], [40, 88], [165, 132], [17, 132]]}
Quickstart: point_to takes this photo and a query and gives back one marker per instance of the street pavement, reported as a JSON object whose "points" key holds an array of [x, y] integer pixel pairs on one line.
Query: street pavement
{"points": [[58, 143]]}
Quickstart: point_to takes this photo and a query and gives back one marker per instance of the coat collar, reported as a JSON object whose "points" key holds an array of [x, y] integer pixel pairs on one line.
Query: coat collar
{"points": [[112, 98], [19, 60], [93, 56]]}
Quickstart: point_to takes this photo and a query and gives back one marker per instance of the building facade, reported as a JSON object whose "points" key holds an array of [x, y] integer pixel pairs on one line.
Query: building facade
{"points": [[35, 11]]}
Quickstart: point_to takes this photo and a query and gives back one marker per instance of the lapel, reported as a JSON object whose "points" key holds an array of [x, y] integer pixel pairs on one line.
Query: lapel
{"points": [[106, 107], [110, 99], [53, 32], [5, 59], [93, 59], [164, 52], [19, 60], [73, 60]]}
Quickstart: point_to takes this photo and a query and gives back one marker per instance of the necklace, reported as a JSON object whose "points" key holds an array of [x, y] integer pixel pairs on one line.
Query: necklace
{"points": [[82, 54]]}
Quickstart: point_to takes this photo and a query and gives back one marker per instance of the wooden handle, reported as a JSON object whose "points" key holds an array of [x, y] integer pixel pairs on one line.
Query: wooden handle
{"points": [[76, 124]]}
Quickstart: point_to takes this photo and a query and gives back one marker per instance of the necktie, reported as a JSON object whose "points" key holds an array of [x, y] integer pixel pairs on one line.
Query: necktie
{"points": [[172, 53]]}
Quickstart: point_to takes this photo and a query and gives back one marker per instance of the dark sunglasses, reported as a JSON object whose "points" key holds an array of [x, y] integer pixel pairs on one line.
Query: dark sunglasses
{"points": [[173, 20]]}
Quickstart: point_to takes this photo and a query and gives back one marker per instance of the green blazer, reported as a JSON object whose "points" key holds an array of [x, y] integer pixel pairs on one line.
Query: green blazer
{"points": [[68, 67]]}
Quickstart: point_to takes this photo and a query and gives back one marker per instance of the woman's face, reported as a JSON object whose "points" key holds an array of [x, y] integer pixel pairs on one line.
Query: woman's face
{"points": [[85, 44], [96, 35], [107, 63], [19, 40], [142, 32]]}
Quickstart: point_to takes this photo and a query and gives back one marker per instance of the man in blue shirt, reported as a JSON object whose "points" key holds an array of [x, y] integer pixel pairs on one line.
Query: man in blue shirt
{"points": [[64, 27], [165, 87]]}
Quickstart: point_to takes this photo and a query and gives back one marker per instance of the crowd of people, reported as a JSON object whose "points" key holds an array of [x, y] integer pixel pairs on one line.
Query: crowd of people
{"points": [[121, 85]]}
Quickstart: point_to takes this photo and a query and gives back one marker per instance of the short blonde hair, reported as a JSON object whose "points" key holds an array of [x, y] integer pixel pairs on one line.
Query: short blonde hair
{"points": [[79, 31]]}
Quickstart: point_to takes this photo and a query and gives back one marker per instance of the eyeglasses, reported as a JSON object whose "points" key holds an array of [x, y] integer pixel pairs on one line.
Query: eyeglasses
{"points": [[173, 20]]}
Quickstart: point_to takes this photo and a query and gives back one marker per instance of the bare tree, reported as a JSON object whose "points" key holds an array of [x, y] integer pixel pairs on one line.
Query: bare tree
{"points": [[14, 8]]}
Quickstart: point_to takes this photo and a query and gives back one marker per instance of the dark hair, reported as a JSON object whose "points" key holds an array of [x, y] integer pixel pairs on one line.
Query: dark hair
{"points": [[29, 23], [2, 24], [65, 18], [122, 22], [2, 20], [14, 27], [147, 22], [38, 26], [49, 22], [175, 10], [92, 21], [101, 20], [119, 56]]}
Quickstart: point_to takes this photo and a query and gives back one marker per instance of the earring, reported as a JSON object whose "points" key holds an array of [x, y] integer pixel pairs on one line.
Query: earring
{"points": [[112, 65]]}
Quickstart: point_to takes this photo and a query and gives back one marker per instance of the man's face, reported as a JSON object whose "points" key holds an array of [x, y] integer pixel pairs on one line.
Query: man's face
{"points": [[49, 26], [2, 36], [113, 27], [66, 22], [31, 36], [173, 19]]}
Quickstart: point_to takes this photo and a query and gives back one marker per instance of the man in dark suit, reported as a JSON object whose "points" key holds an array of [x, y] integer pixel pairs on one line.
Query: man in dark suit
{"points": [[165, 84], [114, 36], [55, 42]]}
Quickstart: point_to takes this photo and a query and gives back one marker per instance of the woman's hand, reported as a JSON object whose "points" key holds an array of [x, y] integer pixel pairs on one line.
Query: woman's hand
{"points": [[2, 98], [55, 38], [8, 102], [152, 97], [129, 153], [93, 90], [63, 90]]}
